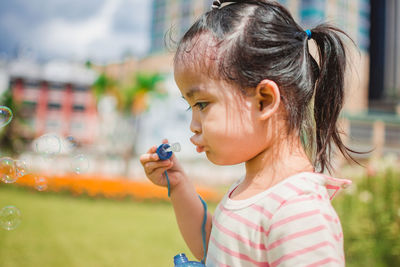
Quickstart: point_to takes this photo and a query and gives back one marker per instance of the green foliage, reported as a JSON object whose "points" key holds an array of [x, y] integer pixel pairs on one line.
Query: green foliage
{"points": [[12, 139], [370, 217], [88, 64], [133, 96], [142, 84], [102, 85]]}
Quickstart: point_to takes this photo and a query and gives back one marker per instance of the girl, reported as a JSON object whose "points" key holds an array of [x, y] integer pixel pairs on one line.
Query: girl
{"points": [[258, 96]]}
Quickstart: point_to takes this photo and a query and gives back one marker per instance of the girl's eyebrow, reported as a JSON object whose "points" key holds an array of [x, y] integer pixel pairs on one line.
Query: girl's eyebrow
{"points": [[191, 92]]}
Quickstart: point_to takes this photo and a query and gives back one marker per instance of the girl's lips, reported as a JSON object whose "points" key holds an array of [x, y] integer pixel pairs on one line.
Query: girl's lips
{"points": [[200, 149]]}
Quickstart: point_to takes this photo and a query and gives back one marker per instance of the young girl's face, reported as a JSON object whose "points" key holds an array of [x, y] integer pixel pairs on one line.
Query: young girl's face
{"points": [[224, 121]]}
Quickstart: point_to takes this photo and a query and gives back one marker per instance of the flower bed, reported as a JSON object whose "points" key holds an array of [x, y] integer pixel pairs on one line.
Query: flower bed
{"points": [[109, 187]]}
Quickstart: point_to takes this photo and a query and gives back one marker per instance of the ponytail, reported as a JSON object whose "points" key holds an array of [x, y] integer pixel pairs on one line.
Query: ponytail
{"points": [[329, 93]]}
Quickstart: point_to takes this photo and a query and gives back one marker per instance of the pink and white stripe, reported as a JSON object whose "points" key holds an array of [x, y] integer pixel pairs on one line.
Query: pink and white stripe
{"points": [[291, 224]]}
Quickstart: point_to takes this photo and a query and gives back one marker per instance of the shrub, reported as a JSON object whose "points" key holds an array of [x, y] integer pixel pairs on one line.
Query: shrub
{"points": [[370, 216]]}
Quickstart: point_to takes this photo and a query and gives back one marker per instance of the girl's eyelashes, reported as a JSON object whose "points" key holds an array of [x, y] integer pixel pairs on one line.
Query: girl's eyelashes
{"points": [[199, 105]]}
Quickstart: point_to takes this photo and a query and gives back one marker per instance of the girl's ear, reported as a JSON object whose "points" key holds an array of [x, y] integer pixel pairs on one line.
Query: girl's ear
{"points": [[268, 98]]}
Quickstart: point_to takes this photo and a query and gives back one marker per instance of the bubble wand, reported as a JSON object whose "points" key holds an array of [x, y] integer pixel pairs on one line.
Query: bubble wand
{"points": [[164, 152]]}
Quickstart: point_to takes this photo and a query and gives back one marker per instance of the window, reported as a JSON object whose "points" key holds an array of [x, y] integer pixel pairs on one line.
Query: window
{"points": [[53, 106], [79, 108], [57, 86]]}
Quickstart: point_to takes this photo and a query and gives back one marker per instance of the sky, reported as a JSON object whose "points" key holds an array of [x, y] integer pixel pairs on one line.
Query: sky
{"points": [[96, 30]]}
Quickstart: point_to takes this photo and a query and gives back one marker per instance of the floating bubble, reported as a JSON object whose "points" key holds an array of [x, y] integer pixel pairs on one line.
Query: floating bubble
{"points": [[80, 164], [8, 170], [20, 168], [6, 116], [41, 183], [72, 142], [48, 145], [10, 217]]}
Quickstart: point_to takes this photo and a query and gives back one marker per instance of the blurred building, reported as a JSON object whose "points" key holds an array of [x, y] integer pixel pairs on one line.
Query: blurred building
{"points": [[171, 18], [384, 86], [55, 97]]}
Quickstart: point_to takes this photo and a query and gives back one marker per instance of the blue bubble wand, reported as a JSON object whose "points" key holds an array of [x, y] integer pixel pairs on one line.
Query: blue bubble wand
{"points": [[164, 152]]}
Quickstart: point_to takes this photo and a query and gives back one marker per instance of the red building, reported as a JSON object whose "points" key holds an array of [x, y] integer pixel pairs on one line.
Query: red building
{"points": [[56, 97]]}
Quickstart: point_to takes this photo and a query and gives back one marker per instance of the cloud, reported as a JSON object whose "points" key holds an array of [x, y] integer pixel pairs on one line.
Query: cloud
{"points": [[99, 32]]}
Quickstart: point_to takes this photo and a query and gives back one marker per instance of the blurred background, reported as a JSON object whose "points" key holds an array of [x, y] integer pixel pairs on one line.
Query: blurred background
{"points": [[86, 87]]}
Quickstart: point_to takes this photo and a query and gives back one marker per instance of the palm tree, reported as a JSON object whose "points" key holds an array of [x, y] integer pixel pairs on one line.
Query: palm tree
{"points": [[136, 94], [135, 102], [132, 101], [103, 85]]}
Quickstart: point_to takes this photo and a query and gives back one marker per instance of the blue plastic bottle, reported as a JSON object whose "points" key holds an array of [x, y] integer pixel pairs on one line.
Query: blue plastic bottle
{"points": [[181, 260]]}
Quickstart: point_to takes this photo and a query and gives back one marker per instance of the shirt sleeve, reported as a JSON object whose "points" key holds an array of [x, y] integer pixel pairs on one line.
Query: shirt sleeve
{"points": [[305, 231]]}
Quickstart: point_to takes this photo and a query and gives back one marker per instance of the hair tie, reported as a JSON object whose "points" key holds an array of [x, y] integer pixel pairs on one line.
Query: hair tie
{"points": [[216, 4], [309, 35]]}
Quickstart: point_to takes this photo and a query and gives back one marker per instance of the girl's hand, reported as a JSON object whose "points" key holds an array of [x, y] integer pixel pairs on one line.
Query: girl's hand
{"points": [[155, 168]]}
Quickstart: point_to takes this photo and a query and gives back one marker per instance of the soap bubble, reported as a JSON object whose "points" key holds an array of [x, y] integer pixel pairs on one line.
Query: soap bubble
{"points": [[80, 164], [41, 183], [5, 116], [72, 142], [20, 168], [8, 170], [10, 217], [48, 144]]}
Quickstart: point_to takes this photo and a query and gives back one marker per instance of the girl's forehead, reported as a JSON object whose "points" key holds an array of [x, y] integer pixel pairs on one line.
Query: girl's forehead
{"points": [[194, 84], [191, 81], [186, 72], [201, 54], [187, 77]]}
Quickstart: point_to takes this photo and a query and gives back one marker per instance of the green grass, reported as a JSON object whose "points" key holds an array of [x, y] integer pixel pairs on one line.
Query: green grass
{"points": [[60, 230]]}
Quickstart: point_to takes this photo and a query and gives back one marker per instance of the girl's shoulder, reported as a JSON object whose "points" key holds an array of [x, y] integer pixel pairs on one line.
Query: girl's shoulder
{"points": [[312, 182], [307, 191], [309, 184], [302, 185]]}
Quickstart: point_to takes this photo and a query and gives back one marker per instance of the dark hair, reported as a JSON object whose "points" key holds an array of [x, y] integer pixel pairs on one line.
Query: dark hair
{"points": [[255, 40]]}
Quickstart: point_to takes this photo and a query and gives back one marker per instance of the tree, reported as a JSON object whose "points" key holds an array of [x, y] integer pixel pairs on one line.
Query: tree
{"points": [[136, 101], [103, 85], [15, 136], [136, 94], [132, 100]]}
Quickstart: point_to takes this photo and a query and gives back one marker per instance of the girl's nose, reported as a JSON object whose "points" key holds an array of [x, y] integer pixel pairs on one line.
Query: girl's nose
{"points": [[195, 126]]}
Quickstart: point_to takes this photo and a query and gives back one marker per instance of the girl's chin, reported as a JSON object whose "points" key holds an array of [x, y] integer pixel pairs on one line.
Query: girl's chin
{"points": [[221, 160]]}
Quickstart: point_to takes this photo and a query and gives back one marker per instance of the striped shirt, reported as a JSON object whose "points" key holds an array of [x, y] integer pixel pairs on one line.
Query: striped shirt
{"points": [[290, 224]]}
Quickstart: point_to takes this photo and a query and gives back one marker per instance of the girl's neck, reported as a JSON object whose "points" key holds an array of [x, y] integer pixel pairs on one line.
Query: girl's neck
{"points": [[271, 166]]}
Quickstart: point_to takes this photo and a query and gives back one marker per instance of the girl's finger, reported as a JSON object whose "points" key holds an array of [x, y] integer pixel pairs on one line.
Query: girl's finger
{"points": [[151, 166], [153, 149], [148, 157], [157, 172]]}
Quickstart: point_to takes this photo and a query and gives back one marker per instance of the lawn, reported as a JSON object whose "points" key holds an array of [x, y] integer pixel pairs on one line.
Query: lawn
{"points": [[61, 230]]}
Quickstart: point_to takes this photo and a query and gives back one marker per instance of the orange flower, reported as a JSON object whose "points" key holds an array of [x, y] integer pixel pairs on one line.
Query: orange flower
{"points": [[109, 187]]}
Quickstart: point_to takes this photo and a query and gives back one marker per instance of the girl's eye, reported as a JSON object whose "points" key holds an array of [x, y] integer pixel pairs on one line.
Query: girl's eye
{"points": [[201, 105]]}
